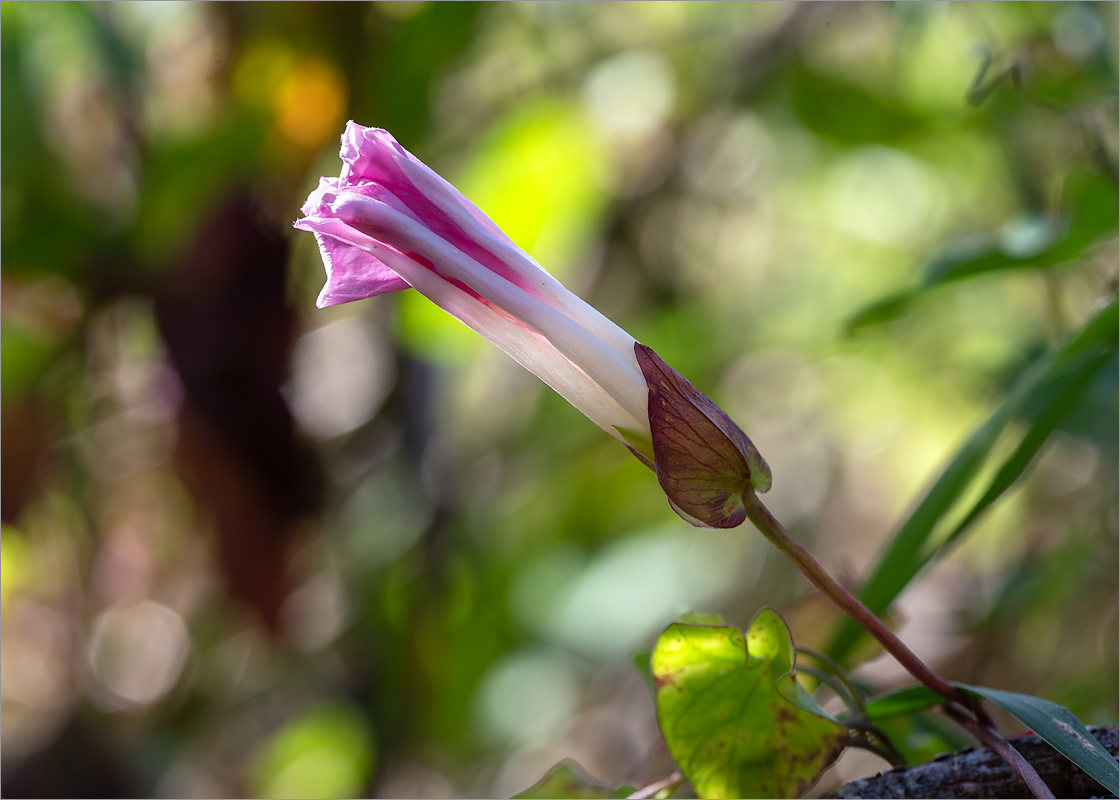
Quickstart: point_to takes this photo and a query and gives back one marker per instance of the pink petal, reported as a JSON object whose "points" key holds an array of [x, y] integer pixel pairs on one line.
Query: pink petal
{"points": [[352, 273], [319, 198], [373, 156]]}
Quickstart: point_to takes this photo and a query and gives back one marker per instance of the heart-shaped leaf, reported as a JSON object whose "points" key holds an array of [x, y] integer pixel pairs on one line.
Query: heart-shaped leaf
{"points": [[730, 729]]}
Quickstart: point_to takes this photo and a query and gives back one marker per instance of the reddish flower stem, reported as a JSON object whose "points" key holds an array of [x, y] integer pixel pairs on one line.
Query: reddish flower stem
{"points": [[962, 707], [992, 738], [813, 570]]}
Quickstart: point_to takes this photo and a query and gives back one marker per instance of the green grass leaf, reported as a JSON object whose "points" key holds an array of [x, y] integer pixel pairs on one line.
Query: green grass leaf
{"points": [[1041, 397], [1061, 729], [1055, 401], [1053, 723], [904, 701], [1029, 241], [730, 729]]}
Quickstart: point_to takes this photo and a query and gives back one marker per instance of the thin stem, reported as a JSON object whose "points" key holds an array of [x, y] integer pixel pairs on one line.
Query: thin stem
{"points": [[856, 719], [838, 671], [773, 530], [654, 788], [992, 738], [894, 755], [980, 724], [863, 743], [833, 683]]}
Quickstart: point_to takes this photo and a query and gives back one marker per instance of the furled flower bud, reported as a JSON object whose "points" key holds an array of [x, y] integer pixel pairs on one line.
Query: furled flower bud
{"points": [[389, 222]]}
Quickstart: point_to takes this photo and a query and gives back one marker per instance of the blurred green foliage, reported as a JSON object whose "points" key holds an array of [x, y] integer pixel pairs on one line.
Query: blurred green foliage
{"points": [[251, 548], [324, 753]]}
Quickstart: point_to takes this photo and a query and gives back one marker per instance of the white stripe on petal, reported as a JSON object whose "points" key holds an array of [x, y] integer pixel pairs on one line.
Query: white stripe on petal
{"points": [[466, 215], [617, 375], [535, 353]]}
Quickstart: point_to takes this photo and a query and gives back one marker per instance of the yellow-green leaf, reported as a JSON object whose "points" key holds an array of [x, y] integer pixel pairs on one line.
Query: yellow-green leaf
{"points": [[731, 731]]}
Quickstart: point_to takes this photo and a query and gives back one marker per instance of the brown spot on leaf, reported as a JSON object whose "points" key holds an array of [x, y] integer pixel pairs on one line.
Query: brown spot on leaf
{"points": [[667, 678], [785, 714]]}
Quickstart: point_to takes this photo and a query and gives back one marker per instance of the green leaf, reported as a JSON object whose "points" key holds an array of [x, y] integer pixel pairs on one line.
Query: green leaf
{"points": [[1041, 397], [1061, 729], [1064, 392], [25, 355], [566, 779], [791, 689], [924, 735], [1053, 723], [1031, 240], [847, 112], [641, 661], [882, 310], [731, 731], [904, 701]]}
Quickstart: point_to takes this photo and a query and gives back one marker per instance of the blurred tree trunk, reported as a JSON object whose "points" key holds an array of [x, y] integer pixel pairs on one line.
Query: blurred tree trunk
{"points": [[229, 328]]}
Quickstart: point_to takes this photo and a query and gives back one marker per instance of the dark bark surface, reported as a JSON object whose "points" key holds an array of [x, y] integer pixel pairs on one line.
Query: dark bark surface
{"points": [[979, 772]]}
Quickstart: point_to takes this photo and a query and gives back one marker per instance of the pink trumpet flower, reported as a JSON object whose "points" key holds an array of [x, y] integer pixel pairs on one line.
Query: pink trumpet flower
{"points": [[388, 222]]}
